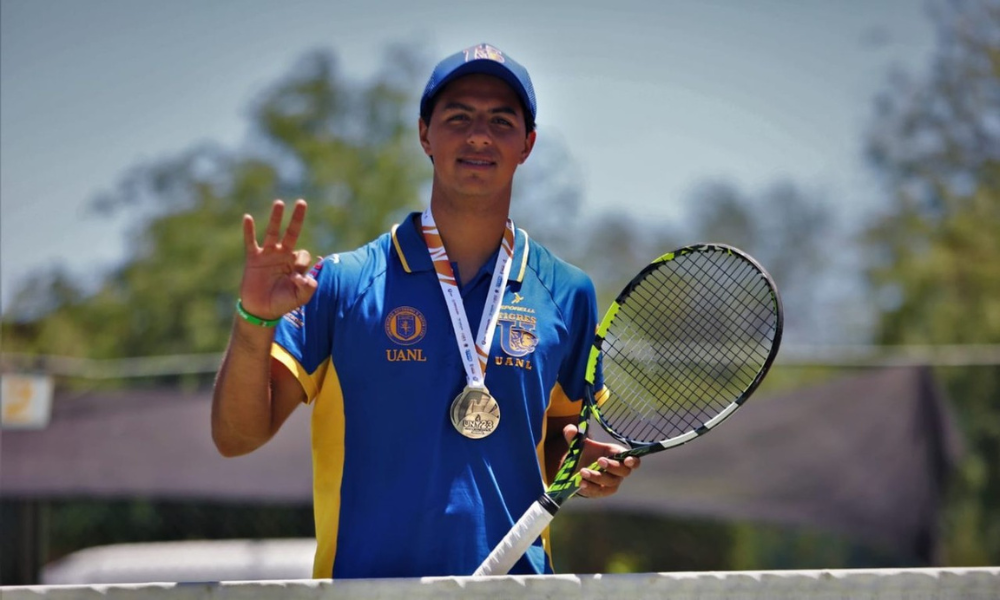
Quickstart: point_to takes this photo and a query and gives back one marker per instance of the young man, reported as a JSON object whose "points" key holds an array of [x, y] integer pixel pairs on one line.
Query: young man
{"points": [[444, 361]]}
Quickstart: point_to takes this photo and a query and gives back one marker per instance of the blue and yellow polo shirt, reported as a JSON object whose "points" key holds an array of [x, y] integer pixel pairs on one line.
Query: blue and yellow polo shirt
{"points": [[398, 492]]}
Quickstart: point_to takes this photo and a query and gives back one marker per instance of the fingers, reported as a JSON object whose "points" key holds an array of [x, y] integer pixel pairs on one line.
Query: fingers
{"points": [[618, 468], [273, 230], [249, 235], [605, 480], [274, 224], [569, 432], [303, 261], [305, 284], [294, 225], [276, 276], [305, 287], [600, 484]]}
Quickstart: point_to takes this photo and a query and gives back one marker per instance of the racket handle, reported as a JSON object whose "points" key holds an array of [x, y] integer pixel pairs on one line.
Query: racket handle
{"points": [[517, 541]]}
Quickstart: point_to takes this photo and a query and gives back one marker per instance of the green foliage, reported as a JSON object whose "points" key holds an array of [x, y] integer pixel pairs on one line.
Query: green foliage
{"points": [[758, 547], [934, 272], [787, 230], [618, 247], [349, 148], [353, 153], [596, 541]]}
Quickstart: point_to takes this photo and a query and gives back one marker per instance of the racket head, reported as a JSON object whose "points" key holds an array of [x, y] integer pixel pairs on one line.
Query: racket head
{"points": [[685, 344]]}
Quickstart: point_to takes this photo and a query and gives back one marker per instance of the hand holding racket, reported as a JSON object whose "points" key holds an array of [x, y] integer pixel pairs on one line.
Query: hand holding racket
{"points": [[683, 346], [608, 472]]}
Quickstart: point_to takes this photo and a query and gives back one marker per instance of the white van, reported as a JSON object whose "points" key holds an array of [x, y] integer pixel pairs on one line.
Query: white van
{"points": [[187, 561]]}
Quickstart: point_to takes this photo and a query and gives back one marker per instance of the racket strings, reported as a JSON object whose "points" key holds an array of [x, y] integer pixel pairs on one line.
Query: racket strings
{"points": [[688, 341]]}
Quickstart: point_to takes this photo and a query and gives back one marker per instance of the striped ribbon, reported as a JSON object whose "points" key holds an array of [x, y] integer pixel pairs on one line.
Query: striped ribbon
{"points": [[470, 348]]}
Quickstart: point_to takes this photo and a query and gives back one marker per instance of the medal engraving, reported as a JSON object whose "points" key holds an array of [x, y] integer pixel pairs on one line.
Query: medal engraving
{"points": [[475, 413]]}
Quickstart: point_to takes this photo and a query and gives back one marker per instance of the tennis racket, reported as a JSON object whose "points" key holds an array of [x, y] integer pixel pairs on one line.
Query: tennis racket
{"points": [[682, 347]]}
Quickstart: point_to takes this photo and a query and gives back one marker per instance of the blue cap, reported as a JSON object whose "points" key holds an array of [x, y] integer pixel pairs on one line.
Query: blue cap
{"points": [[487, 60]]}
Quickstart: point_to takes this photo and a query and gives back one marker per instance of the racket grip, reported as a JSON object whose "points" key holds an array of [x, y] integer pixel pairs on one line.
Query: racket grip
{"points": [[517, 541]]}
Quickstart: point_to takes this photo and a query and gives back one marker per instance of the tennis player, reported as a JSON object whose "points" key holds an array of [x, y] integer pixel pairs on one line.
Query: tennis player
{"points": [[444, 361]]}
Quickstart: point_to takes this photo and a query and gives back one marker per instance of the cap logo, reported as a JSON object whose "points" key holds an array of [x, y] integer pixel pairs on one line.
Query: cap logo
{"points": [[483, 51]]}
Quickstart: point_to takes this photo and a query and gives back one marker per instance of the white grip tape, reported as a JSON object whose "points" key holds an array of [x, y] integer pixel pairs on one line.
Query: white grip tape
{"points": [[516, 542]]}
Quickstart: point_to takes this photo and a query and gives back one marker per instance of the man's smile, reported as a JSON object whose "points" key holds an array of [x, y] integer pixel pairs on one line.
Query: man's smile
{"points": [[473, 161]]}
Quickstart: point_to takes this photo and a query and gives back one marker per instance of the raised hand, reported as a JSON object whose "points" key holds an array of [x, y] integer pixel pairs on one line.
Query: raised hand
{"points": [[275, 275]]}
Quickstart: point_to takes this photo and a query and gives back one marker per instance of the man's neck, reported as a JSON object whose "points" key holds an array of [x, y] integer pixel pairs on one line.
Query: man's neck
{"points": [[471, 236]]}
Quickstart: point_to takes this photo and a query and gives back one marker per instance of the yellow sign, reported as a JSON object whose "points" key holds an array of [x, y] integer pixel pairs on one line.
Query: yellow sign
{"points": [[25, 401]]}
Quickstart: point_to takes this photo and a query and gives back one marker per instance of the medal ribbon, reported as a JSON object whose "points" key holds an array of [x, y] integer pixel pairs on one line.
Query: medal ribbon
{"points": [[479, 347]]}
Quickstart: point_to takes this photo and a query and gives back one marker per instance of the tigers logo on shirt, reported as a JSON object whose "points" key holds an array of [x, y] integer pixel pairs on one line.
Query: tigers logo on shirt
{"points": [[405, 326], [517, 324], [518, 340]]}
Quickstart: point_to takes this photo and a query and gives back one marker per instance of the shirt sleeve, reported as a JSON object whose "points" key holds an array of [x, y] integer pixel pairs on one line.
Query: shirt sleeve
{"points": [[304, 337], [582, 322]]}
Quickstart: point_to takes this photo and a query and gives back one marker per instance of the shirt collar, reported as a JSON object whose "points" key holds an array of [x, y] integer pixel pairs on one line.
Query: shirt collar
{"points": [[412, 250]]}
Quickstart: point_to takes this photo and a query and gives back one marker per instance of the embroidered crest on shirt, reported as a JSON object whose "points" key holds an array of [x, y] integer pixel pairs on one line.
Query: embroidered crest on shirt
{"points": [[405, 326]]}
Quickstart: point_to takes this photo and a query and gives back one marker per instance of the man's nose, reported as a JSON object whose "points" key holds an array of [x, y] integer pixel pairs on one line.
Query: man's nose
{"points": [[479, 132]]}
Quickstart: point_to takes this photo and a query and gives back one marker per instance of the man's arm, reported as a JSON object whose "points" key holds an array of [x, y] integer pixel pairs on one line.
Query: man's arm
{"points": [[254, 394]]}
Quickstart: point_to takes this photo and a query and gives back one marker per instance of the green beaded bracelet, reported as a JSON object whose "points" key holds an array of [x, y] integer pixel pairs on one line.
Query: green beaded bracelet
{"points": [[254, 319]]}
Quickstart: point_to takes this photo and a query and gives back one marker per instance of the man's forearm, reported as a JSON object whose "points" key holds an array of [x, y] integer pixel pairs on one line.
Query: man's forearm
{"points": [[242, 412]]}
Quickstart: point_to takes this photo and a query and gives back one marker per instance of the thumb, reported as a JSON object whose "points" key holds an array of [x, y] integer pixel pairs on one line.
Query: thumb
{"points": [[305, 287], [569, 432]]}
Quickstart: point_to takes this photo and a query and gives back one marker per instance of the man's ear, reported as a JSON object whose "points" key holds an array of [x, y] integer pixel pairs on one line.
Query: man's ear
{"points": [[529, 143], [424, 142]]}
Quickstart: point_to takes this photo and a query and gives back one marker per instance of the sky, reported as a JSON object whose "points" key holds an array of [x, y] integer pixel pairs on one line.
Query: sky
{"points": [[650, 98]]}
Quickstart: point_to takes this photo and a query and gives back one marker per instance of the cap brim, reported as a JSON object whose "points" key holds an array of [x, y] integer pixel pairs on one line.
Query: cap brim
{"points": [[483, 67]]}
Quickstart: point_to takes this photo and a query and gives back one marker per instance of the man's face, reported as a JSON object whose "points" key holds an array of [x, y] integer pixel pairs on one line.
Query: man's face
{"points": [[476, 136]]}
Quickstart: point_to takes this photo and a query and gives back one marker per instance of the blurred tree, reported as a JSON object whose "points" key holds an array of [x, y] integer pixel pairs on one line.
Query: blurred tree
{"points": [[614, 246], [785, 228], [935, 143], [350, 148], [547, 197]]}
